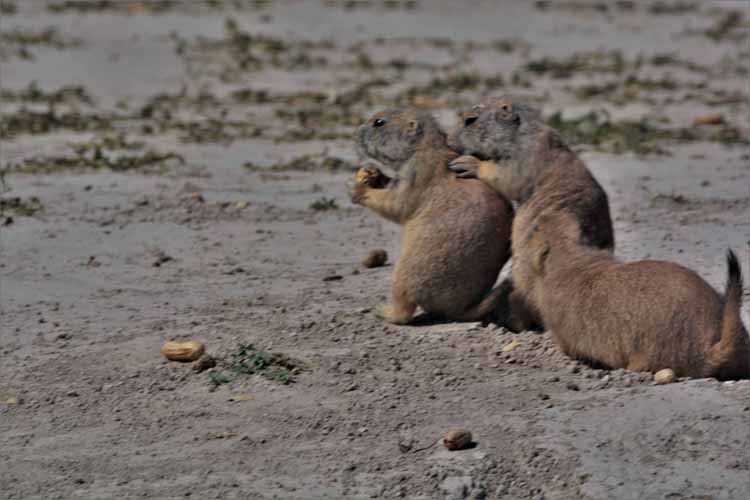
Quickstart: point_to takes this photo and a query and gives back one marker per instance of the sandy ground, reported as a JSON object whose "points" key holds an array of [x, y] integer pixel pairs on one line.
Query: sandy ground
{"points": [[123, 251]]}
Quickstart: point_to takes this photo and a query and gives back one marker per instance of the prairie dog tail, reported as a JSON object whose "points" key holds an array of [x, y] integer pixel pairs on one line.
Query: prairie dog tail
{"points": [[730, 357], [489, 304]]}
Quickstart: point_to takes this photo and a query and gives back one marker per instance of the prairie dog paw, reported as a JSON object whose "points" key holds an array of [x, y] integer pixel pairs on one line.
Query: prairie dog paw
{"points": [[359, 186], [465, 166], [390, 314], [371, 177], [365, 179], [358, 193]]}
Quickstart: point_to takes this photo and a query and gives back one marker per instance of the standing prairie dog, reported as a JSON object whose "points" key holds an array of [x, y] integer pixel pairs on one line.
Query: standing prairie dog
{"points": [[456, 231], [507, 145], [643, 316]]}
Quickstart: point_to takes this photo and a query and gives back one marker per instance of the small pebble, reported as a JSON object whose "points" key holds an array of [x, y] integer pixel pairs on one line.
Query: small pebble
{"points": [[511, 346], [712, 119], [376, 258], [204, 363]]}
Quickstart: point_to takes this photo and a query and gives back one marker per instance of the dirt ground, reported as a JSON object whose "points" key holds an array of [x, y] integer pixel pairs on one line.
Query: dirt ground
{"points": [[177, 170]]}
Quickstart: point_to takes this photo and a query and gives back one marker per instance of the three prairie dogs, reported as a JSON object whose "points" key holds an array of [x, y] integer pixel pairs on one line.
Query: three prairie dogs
{"points": [[561, 231]]}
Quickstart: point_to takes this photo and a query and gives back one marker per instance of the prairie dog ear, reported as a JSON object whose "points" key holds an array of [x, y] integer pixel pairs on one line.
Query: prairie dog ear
{"points": [[468, 117], [551, 139], [540, 257], [538, 247], [506, 113], [413, 128]]}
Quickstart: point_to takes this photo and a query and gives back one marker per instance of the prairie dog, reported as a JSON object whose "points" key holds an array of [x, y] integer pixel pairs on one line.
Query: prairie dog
{"points": [[506, 144], [644, 316], [456, 233]]}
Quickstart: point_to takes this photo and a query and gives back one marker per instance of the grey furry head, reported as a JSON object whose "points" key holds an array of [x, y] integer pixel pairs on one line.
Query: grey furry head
{"points": [[393, 135], [497, 128]]}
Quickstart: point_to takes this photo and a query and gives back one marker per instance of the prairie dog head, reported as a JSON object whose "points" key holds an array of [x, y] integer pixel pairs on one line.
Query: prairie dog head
{"points": [[497, 129], [552, 237], [392, 136]]}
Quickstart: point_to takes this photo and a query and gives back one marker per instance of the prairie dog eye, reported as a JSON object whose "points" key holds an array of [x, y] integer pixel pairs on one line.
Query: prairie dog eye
{"points": [[469, 120], [379, 122]]}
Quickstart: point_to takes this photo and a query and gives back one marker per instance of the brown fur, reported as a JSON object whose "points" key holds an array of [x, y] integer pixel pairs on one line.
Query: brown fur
{"points": [[535, 168], [645, 315], [456, 231]]}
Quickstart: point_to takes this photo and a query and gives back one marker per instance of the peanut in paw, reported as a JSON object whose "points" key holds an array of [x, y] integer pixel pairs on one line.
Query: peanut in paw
{"points": [[358, 193], [371, 177]]}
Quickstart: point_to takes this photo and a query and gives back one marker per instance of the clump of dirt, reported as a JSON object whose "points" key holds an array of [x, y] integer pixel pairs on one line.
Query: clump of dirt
{"points": [[17, 42], [99, 6], [248, 360], [375, 5], [253, 96], [632, 88], [306, 163], [81, 6], [23, 207], [159, 116], [596, 129], [323, 204], [240, 51], [146, 7], [503, 45], [161, 107], [577, 6], [673, 8], [589, 62], [673, 59], [75, 94], [8, 8], [671, 199], [209, 130], [316, 124], [114, 152], [639, 136], [27, 121], [446, 91], [305, 116], [727, 27]]}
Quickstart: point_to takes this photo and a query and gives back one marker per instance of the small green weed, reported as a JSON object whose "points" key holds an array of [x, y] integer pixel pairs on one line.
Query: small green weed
{"points": [[323, 203], [112, 151], [638, 136], [247, 360], [20, 207], [8, 8]]}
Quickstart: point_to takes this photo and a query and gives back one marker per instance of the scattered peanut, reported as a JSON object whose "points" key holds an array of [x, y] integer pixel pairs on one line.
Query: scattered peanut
{"points": [[457, 439], [665, 376], [183, 351]]}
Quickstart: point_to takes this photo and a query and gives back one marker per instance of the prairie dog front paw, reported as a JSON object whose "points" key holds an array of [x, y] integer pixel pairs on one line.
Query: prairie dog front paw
{"points": [[371, 177], [465, 166]]}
